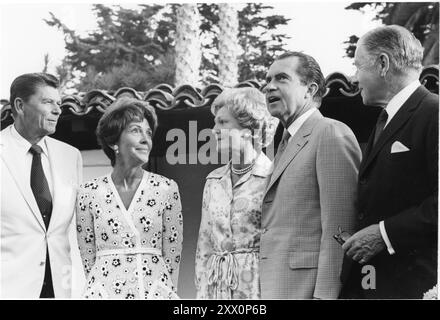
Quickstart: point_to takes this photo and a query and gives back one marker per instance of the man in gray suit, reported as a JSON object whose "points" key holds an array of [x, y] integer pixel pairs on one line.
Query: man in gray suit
{"points": [[312, 189]]}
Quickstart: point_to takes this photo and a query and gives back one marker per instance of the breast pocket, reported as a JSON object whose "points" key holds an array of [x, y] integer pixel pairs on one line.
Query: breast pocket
{"points": [[303, 259], [401, 156]]}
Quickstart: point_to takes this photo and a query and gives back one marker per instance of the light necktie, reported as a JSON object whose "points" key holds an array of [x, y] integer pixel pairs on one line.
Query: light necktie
{"points": [[381, 121]]}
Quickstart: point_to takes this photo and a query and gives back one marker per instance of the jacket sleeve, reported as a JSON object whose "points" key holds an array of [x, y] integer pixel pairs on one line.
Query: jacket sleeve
{"points": [[337, 164], [417, 226], [172, 236]]}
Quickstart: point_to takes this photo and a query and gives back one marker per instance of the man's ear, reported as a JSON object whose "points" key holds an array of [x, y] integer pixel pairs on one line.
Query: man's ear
{"points": [[18, 105], [384, 64], [312, 89]]}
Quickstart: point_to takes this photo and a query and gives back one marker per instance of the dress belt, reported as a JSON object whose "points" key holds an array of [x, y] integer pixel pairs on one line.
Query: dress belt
{"points": [[127, 251], [228, 276]]}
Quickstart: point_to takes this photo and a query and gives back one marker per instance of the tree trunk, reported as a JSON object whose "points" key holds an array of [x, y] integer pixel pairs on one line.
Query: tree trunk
{"points": [[188, 48], [228, 46]]}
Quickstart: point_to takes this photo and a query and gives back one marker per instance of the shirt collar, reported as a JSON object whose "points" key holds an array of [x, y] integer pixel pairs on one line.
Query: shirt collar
{"points": [[399, 99], [23, 145], [295, 125]]}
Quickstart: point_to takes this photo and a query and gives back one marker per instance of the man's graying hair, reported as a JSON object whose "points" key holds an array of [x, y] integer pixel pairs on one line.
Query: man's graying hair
{"points": [[402, 47]]}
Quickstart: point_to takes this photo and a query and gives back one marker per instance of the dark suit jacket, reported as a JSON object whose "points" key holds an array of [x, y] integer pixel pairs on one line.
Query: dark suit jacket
{"points": [[401, 189]]}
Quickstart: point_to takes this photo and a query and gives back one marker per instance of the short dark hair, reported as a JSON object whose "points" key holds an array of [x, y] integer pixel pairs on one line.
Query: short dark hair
{"points": [[308, 70], [25, 86], [117, 117]]}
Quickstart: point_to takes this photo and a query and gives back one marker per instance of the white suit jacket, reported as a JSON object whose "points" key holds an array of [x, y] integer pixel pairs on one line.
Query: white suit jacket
{"points": [[23, 234]]}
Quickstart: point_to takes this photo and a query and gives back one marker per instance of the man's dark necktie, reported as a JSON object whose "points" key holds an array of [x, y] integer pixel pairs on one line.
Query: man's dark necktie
{"points": [[40, 189], [282, 146], [381, 121]]}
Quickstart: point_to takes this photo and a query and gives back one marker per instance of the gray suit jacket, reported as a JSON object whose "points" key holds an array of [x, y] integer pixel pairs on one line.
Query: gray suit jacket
{"points": [[312, 191]]}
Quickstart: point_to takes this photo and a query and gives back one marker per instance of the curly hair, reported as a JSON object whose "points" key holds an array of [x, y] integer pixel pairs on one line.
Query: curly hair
{"points": [[248, 106]]}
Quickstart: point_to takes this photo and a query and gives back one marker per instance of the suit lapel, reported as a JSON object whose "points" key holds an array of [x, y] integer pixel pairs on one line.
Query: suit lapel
{"points": [[297, 142], [401, 117], [17, 174]]}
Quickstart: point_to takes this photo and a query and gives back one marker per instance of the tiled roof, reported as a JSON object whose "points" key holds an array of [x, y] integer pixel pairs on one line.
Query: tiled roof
{"points": [[164, 97]]}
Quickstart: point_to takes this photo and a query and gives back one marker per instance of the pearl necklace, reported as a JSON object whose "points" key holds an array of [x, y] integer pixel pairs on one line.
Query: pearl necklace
{"points": [[244, 170]]}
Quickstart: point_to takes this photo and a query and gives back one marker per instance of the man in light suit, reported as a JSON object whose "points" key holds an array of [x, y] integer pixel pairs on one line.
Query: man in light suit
{"points": [[38, 191], [312, 189], [394, 252]]}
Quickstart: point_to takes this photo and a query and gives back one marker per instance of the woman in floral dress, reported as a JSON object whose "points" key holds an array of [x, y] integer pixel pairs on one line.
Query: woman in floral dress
{"points": [[227, 254], [129, 222]]}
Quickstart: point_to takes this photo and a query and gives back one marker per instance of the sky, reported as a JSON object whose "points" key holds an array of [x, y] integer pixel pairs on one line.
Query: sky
{"points": [[316, 28]]}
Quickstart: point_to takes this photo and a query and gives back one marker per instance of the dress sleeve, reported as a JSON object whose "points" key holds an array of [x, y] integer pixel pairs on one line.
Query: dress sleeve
{"points": [[85, 229], [204, 247], [173, 233]]}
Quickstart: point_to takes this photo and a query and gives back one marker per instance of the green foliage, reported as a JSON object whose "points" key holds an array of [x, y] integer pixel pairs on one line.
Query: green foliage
{"points": [[351, 45], [128, 48], [257, 37], [129, 75], [260, 43], [421, 18], [123, 35], [46, 62], [135, 47]]}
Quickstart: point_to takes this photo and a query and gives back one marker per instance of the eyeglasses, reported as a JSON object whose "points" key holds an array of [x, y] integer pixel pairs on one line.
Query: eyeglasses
{"points": [[342, 236]]}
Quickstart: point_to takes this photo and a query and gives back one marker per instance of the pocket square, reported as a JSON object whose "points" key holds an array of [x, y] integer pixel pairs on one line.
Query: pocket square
{"points": [[398, 147]]}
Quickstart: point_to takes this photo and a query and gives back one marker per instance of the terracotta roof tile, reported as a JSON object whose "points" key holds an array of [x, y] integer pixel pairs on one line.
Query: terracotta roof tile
{"points": [[165, 97]]}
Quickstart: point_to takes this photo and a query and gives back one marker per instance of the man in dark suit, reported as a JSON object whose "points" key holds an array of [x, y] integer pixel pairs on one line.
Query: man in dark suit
{"points": [[394, 253]]}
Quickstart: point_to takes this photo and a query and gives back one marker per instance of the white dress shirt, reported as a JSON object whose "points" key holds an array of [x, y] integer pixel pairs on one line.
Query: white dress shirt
{"points": [[22, 147], [399, 99], [295, 125], [392, 108]]}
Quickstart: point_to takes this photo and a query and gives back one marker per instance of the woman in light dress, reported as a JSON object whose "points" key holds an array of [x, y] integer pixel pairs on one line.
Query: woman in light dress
{"points": [[129, 221], [227, 254]]}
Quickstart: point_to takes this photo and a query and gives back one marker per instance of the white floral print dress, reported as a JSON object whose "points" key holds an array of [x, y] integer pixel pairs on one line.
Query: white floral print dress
{"points": [[227, 255], [126, 252]]}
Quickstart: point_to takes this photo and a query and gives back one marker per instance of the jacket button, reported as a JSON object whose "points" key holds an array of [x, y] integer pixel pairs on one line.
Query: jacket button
{"points": [[42, 263], [361, 216], [363, 181]]}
